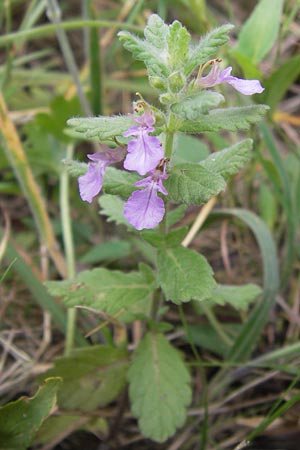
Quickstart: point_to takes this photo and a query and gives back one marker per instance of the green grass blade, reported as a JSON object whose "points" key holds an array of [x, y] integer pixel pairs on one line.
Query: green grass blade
{"points": [[251, 330]]}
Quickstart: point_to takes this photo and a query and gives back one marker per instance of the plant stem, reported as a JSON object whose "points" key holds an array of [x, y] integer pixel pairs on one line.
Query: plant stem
{"points": [[68, 246]]}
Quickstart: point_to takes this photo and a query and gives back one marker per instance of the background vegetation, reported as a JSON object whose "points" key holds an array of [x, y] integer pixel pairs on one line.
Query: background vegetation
{"points": [[59, 60]]}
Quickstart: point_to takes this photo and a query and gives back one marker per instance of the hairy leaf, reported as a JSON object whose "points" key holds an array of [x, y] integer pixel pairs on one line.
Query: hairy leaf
{"points": [[239, 297], [92, 377], [104, 290], [159, 387], [207, 47], [178, 45], [21, 419], [112, 207], [119, 182], [230, 119], [193, 107], [229, 161], [184, 274], [101, 127], [193, 184]]}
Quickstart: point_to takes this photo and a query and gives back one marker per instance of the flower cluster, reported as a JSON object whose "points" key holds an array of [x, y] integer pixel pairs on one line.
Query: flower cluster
{"points": [[145, 208]]}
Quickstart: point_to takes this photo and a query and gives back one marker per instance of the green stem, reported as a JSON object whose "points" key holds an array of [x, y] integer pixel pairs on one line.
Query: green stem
{"points": [[68, 246]]}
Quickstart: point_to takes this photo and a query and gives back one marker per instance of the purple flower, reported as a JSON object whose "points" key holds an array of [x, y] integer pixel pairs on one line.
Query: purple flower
{"points": [[144, 152], [218, 76], [90, 183], [144, 208]]}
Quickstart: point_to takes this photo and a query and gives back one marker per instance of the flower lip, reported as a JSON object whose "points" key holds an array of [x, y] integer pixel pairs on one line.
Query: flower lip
{"points": [[217, 76]]}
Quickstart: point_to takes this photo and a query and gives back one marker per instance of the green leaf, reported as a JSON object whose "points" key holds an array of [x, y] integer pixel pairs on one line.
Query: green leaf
{"points": [[75, 168], [229, 161], [261, 30], [207, 47], [21, 419], [112, 207], [193, 184], [239, 297], [106, 251], [206, 337], [188, 149], [159, 387], [178, 45], [104, 290], [184, 274], [277, 85], [193, 107], [119, 182], [230, 119], [102, 127], [175, 215], [92, 377], [152, 49]]}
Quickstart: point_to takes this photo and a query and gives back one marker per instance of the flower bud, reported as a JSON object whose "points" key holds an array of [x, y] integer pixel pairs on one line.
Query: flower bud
{"points": [[176, 81]]}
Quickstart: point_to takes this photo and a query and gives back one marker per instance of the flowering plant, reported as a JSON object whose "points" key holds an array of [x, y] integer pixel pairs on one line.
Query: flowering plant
{"points": [[142, 196]]}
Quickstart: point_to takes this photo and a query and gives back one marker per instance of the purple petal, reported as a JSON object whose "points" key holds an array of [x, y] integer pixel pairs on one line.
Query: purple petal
{"points": [[144, 153], [246, 87], [146, 120], [108, 155], [90, 183], [216, 76], [144, 209]]}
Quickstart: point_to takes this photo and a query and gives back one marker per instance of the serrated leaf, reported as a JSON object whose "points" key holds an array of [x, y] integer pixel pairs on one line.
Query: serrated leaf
{"points": [[92, 377], [102, 127], [119, 182], [21, 419], [112, 207], [261, 30], [75, 168], [178, 45], [156, 32], [229, 161], [154, 58], [189, 149], [207, 47], [104, 290], [193, 184], [230, 119], [159, 387], [239, 297], [184, 275], [193, 107]]}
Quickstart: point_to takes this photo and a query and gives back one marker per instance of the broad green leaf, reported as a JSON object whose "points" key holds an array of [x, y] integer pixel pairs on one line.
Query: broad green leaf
{"points": [[104, 290], [107, 251], [261, 30], [207, 47], [193, 184], [92, 377], [102, 127], [280, 81], [178, 45], [184, 274], [159, 387], [230, 119], [193, 107], [112, 207], [119, 182], [21, 419], [239, 297], [75, 168], [171, 239], [229, 161], [189, 149]]}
